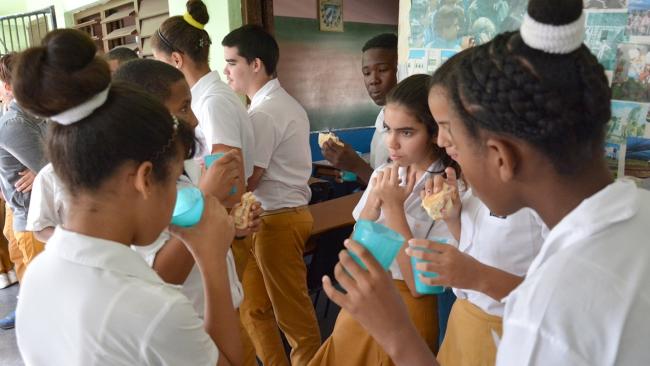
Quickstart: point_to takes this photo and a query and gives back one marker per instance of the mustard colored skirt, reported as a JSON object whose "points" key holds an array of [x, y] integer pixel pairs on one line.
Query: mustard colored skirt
{"points": [[351, 345], [469, 340]]}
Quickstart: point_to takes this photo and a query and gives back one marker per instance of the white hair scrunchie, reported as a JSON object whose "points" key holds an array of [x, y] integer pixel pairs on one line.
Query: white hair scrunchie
{"points": [[83, 110], [557, 39]]}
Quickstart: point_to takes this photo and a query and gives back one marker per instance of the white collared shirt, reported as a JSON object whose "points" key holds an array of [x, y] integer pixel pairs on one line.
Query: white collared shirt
{"points": [[222, 117], [378, 151], [46, 204], [586, 297], [282, 147], [420, 224], [507, 243], [46, 209], [88, 301]]}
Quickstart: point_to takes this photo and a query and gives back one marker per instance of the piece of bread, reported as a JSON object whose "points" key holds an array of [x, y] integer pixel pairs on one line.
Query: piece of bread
{"points": [[435, 203], [324, 136], [243, 211]]}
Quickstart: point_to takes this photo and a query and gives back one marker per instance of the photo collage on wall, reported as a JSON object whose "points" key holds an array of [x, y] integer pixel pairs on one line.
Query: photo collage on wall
{"points": [[617, 33]]}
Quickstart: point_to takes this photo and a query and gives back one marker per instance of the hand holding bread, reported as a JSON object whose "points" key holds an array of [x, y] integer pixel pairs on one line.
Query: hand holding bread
{"points": [[440, 197], [246, 215]]}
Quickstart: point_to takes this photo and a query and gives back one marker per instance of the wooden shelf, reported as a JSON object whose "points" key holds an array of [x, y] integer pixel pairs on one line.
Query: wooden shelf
{"points": [[122, 23], [120, 32], [149, 26], [118, 16], [86, 24], [153, 8], [131, 46]]}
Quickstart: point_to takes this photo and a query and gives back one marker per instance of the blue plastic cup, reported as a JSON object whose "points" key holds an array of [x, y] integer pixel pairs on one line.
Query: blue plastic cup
{"points": [[209, 159], [420, 287], [382, 242], [189, 207], [348, 176]]}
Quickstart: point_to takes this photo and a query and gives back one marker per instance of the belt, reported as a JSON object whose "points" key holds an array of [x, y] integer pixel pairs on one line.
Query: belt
{"points": [[283, 210]]}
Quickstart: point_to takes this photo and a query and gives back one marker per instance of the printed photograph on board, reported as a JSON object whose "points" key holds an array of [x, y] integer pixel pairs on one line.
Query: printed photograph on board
{"points": [[605, 31], [458, 24], [632, 73]]}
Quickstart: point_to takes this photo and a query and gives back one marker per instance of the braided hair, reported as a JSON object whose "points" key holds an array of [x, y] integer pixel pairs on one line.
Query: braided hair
{"points": [[559, 103]]}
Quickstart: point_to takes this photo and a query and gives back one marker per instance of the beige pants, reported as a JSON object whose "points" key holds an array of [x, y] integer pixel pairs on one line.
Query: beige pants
{"points": [[275, 290], [23, 245]]}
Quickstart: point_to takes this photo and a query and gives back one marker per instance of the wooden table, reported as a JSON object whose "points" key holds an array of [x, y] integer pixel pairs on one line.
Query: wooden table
{"points": [[334, 214]]}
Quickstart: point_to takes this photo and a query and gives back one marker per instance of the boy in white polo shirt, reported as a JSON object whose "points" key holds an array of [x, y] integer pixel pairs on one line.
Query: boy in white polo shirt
{"points": [[275, 290]]}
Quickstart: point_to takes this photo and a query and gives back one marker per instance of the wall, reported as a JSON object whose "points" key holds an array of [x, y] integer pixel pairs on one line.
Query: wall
{"points": [[322, 70], [9, 7]]}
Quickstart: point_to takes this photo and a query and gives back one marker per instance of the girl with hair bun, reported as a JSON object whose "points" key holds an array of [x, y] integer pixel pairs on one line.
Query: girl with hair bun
{"points": [[182, 42], [118, 153], [525, 115]]}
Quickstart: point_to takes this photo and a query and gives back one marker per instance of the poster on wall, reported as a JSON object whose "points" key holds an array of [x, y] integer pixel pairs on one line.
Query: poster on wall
{"points": [[632, 74], [458, 24], [617, 33], [627, 133], [605, 30], [605, 4]]}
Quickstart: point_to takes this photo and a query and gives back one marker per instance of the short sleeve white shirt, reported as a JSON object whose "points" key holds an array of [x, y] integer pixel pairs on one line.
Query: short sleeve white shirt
{"points": [[507, 243], [586, 296], [104, 306], [282, 147], [222, 117], [420, 224], [378, 150], [47, 201]]}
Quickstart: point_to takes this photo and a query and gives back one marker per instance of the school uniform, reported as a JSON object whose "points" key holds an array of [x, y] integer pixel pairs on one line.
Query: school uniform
{"points": [[47, 210], [222, 118], [274, 279], [585, 297], [21, 148], [349, 343], [378, 151], [104, 306], [508, 243]]}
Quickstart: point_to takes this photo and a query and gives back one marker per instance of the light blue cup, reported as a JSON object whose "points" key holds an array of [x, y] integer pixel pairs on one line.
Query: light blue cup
{"points": [[420, 287], [382, 242], [189, 207], [348, 176], [209, 159]]}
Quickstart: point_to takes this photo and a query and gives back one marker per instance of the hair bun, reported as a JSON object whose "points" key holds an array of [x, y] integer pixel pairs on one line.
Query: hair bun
{"points": [[61, 74], [198, 11], [554, 26]]}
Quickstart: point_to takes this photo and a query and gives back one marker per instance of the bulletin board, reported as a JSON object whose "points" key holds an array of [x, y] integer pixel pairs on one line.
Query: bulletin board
{"points": [[617, 33]]}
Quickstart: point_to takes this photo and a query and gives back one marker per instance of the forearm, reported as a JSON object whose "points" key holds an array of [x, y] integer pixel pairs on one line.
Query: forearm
{"points": [[220, 319], [363, 171], [406, 347], [45, 234], [454, 228], [173, 262], [396, 220], [496, 283]]}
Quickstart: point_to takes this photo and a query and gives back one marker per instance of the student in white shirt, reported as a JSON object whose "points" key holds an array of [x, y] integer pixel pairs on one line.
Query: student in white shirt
{"points": [[525, 116], [182, 42], [379, 68], [393, 199], [274, 280], [118, 153]]}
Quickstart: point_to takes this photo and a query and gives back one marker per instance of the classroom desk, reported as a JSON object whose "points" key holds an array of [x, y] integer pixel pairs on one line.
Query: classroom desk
{"points": [[333, 214]]}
